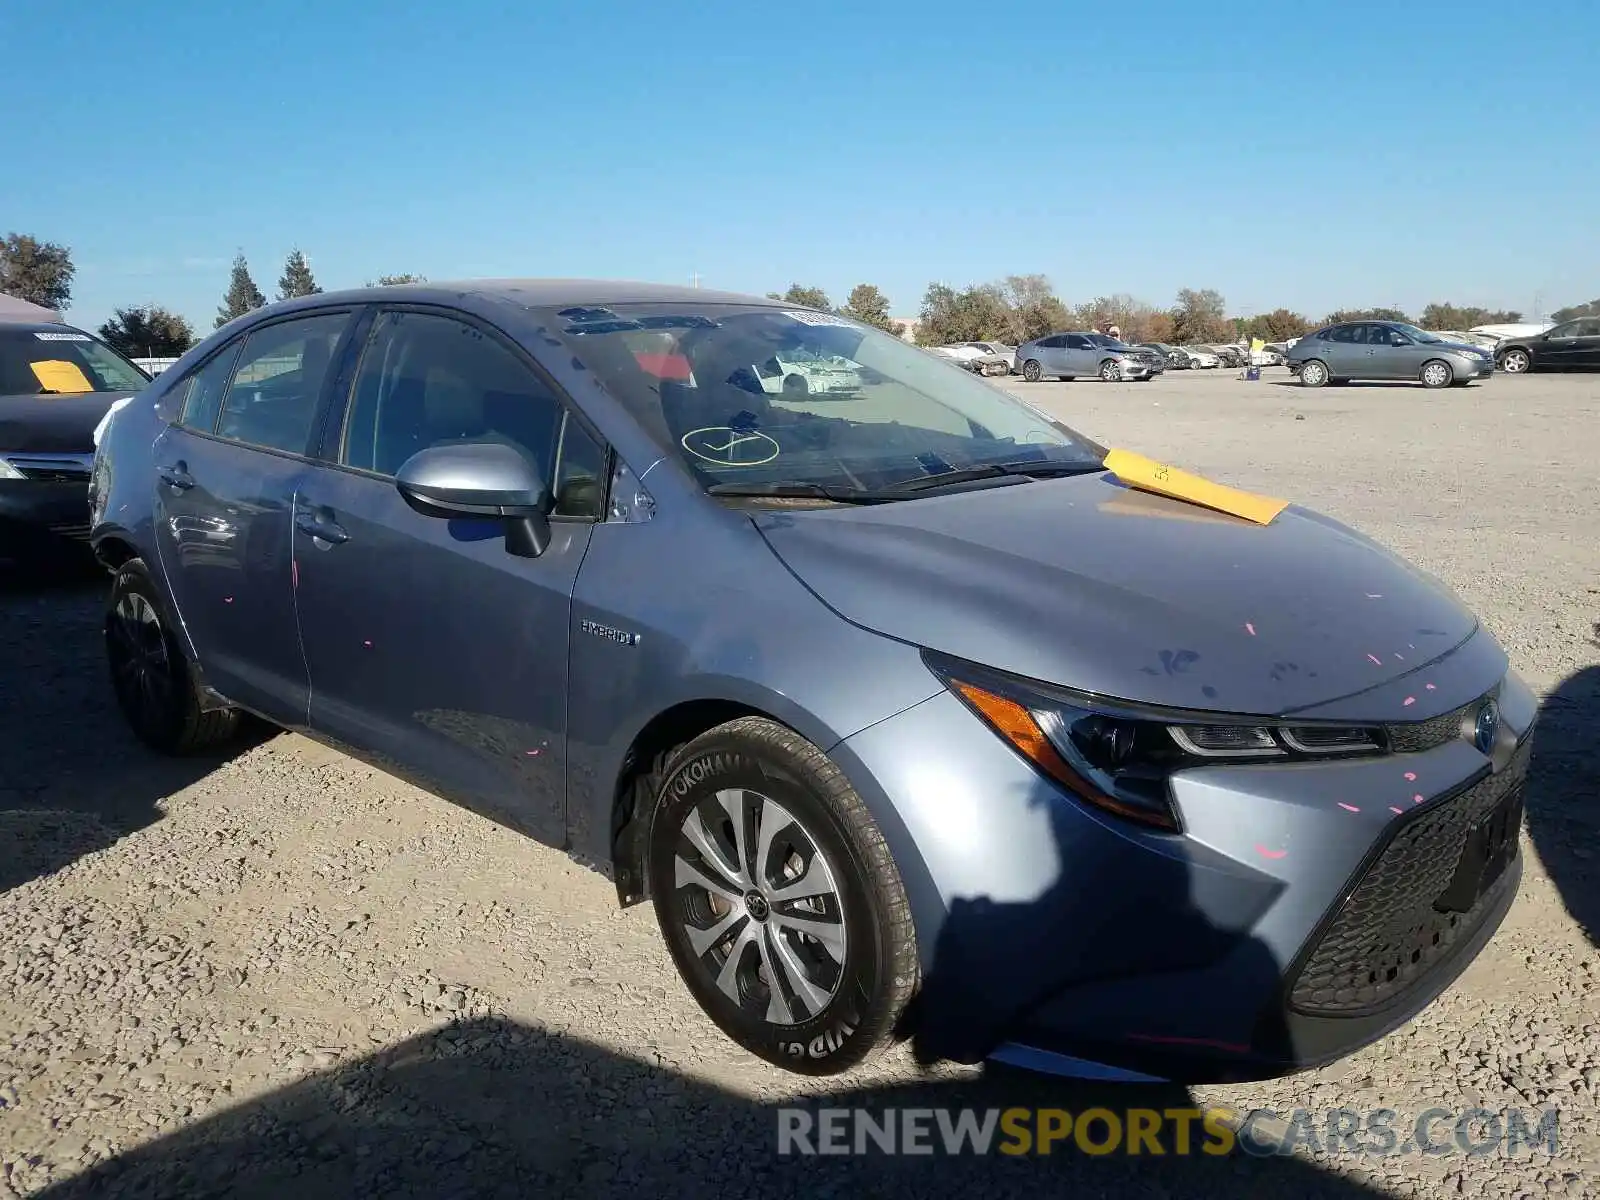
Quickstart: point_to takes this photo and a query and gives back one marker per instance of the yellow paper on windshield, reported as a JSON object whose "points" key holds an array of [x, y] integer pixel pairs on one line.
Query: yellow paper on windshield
{"points": [[57, 376], [1137, 471]]}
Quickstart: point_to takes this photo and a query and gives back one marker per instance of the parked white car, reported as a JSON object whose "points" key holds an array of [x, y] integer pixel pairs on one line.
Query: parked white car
{"points": [[1201, 357]]}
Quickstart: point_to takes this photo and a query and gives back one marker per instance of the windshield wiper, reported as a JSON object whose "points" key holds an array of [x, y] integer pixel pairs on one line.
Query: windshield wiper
{"points": [[819, 491], [1035, 470]]}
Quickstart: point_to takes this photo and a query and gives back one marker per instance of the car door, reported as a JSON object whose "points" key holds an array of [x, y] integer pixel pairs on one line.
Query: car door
{"points": [[1588, 347], [432, 650], [1571, 346], [1079, 357], [226, 473], [1346, 353], [1393, 355]]}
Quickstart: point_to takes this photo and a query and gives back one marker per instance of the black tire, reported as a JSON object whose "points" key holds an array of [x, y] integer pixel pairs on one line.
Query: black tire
{"points": [[853, 1005], [1516, 361], [1314, 373], [1031, 371], [1436, 373], [150, 673], [1110, 372]]}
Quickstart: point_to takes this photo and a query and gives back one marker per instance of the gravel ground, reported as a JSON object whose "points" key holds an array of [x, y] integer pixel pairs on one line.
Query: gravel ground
{"points": [[285, 971]]}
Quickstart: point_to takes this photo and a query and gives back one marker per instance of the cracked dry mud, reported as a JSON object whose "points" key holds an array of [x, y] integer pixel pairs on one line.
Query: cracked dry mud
{"points": [[286, 973]]}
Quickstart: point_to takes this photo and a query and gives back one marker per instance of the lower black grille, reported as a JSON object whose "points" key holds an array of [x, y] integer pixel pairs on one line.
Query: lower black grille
{"points": [[1389, 933]]}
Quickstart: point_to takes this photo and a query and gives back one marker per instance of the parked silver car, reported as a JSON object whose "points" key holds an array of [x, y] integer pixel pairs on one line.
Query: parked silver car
{"points": [[1069, 355], [1385, 350]]}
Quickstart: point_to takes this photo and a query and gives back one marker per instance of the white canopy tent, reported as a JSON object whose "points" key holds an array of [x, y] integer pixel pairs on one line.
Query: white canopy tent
{"points": [[13, 309]]}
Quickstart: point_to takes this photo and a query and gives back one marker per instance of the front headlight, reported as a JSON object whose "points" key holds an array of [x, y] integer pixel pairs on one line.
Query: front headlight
{"points": [[1121, 757], [7, 471]]}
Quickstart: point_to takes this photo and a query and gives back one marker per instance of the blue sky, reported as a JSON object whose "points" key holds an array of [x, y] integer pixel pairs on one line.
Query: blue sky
{"points": [[1364, 153]]}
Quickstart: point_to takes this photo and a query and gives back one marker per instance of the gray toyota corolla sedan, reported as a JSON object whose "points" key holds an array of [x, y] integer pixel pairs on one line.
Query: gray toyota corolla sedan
{"points": [[909, 717]]}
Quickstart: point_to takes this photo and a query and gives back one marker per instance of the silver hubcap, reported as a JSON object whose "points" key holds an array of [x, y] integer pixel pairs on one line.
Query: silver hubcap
{"points": [[1314, 373], [1515, 361], [760, 906], [1110, 371], [1031, 372], [1435, 374]]}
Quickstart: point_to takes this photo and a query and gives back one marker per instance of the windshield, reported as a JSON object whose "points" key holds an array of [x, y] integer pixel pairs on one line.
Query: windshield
{"points": [[1108, 342], [723, 388], [50, 362], [1417, 335]]}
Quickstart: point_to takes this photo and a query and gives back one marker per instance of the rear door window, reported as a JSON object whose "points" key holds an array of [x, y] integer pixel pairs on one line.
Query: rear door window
{"points": [[272, 399], [203, 393]]}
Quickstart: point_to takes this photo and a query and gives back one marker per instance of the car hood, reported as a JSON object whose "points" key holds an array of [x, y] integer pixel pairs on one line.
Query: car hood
{"points": [[1085, 583], [1459, 347], [53, 424]]}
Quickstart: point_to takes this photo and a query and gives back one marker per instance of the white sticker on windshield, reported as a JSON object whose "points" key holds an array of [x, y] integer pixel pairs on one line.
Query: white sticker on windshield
{"points": [[63, 337], [817, 318]]}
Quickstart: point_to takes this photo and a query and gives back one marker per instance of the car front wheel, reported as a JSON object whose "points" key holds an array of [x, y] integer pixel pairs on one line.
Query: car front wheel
{"points": [[1314, 373], [1515, 362], [1437, 374], [1110, 371], [778, 899]]}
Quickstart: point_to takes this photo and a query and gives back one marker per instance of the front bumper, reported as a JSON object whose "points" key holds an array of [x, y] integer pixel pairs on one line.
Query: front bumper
{"points": [[1293, 922]]}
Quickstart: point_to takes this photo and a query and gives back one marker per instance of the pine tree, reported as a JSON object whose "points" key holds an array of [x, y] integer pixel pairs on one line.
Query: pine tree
{"points": [[242, 296], [297, 279]]}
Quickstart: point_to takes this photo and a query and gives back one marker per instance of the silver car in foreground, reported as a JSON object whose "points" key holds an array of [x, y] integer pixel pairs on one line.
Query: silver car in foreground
{"points": [[1385, 350], [907, 715], [1098, 355]]}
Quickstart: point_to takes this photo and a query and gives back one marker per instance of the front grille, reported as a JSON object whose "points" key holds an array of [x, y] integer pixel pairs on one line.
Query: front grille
{"points": [[53, 468], [1417, 736], [1388, 935]]}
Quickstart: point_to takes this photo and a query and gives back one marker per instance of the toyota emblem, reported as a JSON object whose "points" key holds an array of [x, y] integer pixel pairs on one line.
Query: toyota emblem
{"points": [[1486, 727]]}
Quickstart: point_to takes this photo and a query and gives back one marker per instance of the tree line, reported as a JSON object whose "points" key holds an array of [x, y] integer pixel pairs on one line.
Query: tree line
{"points": [[1018, 308], [1013, 309]]}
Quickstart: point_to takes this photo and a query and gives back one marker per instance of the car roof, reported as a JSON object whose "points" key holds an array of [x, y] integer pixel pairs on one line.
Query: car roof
{"points": [[545, 293], [35, 326]]}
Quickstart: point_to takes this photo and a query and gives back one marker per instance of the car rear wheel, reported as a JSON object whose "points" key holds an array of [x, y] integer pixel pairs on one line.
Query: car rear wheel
{"points": [[1110, 371], [1030, 370], [1515, 362], [1314, 373], [778, 898], [1436, 373], [150, 673]]}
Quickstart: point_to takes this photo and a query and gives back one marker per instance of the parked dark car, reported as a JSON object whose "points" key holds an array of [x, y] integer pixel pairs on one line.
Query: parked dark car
{"points": [[899, 693], [1385, 350], [56, 382], [1176, 358], [1570, 346]]}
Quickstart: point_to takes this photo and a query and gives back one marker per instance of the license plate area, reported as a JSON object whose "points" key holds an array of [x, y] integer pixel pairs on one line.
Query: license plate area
{"points": [[1490, 846]]}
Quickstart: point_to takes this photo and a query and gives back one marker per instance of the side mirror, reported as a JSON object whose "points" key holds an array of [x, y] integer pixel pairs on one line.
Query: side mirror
{"points": [[487, 480]]}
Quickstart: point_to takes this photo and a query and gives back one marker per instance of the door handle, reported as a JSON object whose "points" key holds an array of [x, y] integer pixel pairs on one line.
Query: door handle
{"points": [[324, 529], [177, 475]]}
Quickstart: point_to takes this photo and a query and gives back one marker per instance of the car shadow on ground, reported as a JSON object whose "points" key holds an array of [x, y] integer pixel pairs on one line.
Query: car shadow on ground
{"points": [[1355, 383], [73, 779], [1563, 803], [487, 1106], [493, 1108]]}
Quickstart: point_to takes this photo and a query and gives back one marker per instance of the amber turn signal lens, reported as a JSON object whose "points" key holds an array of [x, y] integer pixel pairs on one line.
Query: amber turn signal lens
{"points": [[1017, 725]]}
